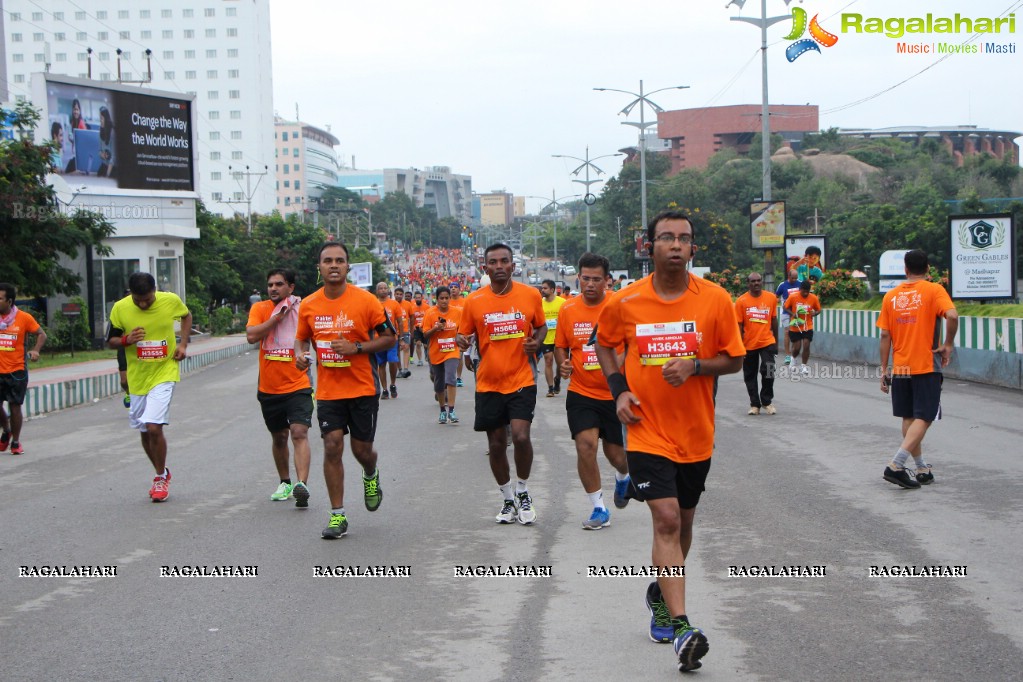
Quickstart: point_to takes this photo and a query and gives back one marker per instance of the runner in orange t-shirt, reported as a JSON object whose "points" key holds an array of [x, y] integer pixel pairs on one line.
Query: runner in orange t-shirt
{"points": [[416, 312], [589, 406], [680, 333], [757, 314], [802, 307], [390, 359], [440, 327], [14, 326], [337, 320], [285, 394], [507, 319], [456, 302], [404, 351], [910, 323]]}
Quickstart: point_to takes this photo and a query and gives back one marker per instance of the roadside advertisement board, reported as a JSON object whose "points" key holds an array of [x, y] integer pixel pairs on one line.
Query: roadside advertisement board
{"points": [[983, 257]]}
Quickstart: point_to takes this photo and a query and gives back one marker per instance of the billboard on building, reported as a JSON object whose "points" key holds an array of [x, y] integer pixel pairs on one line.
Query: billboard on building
{"points": [[115, 136], [983, 257]]}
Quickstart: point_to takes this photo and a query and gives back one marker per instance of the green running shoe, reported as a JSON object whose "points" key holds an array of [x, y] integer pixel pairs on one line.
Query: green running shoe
{"points": [[372, 491], [336, 528], [282, 493]]}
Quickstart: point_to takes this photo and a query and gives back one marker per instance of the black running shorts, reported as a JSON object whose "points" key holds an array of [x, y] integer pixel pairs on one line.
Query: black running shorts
{"points": [[799, 336], [13, 387], [917, 396], [655, 477], [586, 413], [355, 416], [282, 410], [495, 410]]}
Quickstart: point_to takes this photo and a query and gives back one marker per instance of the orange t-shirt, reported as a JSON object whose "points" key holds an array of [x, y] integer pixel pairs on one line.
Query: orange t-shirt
{"points": [[394, 313], [911, 312], [501, 324], [442, 344], [800, 307], [277, 373], [576, 322], [416, 312], [406, 306], [12, 342], [756, 315], [350, 316], [677, 423]]}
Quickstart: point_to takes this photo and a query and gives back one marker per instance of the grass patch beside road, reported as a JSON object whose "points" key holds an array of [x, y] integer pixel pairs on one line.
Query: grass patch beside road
{"points": [[48, 359], [972, 309]]}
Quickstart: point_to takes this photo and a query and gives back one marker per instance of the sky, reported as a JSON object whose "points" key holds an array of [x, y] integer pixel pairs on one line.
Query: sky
{"points": [[494, 89]]}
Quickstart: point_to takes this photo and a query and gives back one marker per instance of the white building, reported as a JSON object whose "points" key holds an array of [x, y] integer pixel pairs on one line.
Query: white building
{"points": [[218, 50], [435, 187], [306, 164]]}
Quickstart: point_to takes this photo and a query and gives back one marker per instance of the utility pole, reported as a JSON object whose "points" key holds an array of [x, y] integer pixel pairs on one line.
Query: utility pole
{"points": [[250, 191]]}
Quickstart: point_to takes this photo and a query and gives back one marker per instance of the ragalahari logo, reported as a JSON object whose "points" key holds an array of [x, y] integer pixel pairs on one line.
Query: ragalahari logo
{"points": [[818, 36]]}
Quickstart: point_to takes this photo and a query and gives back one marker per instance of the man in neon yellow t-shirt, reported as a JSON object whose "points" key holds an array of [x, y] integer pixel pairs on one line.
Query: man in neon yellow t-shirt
{"points": [[551, 306], [143, 324]]}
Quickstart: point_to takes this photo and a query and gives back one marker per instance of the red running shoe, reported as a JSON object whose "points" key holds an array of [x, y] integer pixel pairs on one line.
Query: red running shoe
{"points": [[16, 448], [160, 489], [5, 439]]}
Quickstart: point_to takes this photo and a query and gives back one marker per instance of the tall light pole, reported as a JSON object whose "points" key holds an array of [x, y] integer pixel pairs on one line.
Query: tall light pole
{"points": [[553, 202], [588, 198], [765, 118], [641, 100]]}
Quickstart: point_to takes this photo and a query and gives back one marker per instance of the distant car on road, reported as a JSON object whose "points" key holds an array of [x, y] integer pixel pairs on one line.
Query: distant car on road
{"points": [[568, 270], [534, 279]]}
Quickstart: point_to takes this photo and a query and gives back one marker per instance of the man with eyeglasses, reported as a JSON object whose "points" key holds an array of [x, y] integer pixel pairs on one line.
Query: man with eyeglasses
{"points": [[679, 332], [757, 314]]}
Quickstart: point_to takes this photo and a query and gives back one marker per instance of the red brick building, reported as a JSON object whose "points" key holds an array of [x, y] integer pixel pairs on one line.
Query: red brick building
{"points": [[697, 134]]}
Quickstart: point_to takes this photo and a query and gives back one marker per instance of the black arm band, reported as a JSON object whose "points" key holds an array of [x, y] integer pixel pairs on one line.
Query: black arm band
{"points": [[618, 385]]}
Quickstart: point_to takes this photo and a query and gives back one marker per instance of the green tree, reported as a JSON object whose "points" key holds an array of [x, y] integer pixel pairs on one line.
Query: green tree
{"points": [[36, 231]]}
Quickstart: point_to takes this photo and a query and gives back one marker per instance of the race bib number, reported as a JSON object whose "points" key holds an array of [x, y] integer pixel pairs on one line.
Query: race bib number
{"points": [[758, 315], [151, 350], [280, 355], [658, 343], [447, 345], [590, 361], [7, 341], [328, 357], [504, 326]]}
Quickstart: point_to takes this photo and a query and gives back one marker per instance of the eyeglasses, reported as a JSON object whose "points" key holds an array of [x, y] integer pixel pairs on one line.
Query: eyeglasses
{"points": [[668, 238]]}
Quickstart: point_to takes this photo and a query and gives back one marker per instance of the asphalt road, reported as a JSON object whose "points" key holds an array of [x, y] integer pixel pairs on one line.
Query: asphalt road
{"points": [[800, 488]]}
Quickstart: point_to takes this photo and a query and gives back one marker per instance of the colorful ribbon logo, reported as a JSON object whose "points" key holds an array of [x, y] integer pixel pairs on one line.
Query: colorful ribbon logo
{"points": [[818, 36]]}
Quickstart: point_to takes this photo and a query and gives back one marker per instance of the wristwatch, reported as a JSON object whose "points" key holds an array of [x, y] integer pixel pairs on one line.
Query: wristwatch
{"points": [[696, 367], [358, 347]]}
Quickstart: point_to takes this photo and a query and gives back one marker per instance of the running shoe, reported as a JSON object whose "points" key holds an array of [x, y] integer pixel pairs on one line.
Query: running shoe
{"points": [[753, 411], [452, 417], [443, 418], [394, 391], [372, 492], [788, 359], [527, 515], [458, 383], [805, 371], [557, 390], [690, 645], [419, 363], [600, 518], [16, 448], [385, 395], [550, 392], [899, 476], [301, 493], [508, 512], [282, 493], [336, 528], [622, 496], [161, 488], [126, 401], [770, 409], [661, 629], [5, 440], [924, 475]]}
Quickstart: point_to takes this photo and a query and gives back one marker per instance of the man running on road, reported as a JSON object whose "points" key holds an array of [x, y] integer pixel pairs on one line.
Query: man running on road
{"points": [[15, 326]]}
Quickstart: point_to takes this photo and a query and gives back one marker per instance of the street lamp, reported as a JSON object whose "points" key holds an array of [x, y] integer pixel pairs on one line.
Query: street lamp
{"points": [[588, 199], [641, 100], [553, 202], [765, 120]]}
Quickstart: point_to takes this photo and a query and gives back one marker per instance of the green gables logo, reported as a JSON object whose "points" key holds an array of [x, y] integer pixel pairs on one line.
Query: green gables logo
{"points": [[981, 235]]}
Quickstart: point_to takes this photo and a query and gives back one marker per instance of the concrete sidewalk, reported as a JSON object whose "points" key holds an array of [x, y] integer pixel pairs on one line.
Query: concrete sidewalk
{"points": [[64, 386]]}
